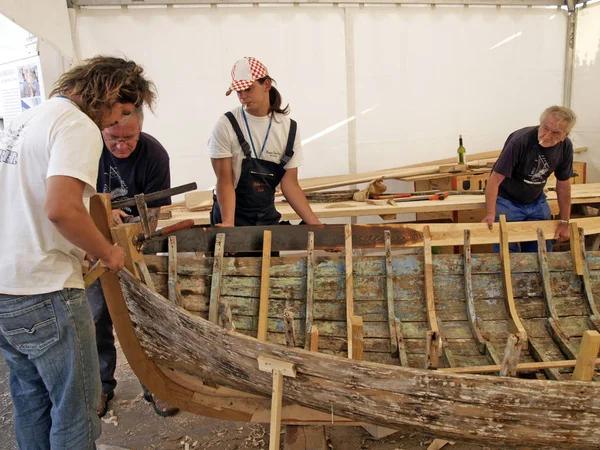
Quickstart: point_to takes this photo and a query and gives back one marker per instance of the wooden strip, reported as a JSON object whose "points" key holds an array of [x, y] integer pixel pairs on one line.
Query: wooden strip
{"points": [[310, 286], [523, 367], [511, 356], [215, 284], [403, 357], [357, 337], [389, 292], [174, 294], [263, 310], [94, 273], [575, 249], [349, 286], [247, 239], [588, 352], [290, 333], [515, 324], [536, 352], [314, 339], [276, 398], [553, 324], [145, 277], [434, 339], [587, 285]]}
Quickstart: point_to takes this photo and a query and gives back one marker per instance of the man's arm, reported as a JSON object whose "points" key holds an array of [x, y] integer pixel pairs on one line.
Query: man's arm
{"points": [[225, 190], [65, 209], [491, 194], [563, 194], [295, 196]]}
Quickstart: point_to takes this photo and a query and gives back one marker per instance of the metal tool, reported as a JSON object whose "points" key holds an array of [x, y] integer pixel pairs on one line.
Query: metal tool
{"points": [[140, 240], [158, 195]]}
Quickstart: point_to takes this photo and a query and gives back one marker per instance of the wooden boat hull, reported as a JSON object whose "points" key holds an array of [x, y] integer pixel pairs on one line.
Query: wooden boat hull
{"points": [[485, 408]]}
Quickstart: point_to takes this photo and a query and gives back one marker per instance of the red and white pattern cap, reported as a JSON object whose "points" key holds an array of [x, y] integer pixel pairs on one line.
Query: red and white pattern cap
{"points": [[245, 72]]}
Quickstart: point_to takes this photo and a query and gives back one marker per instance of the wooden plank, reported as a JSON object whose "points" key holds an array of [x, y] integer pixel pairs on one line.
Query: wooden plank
{"points": [[434, 338], [523, 367], [357, 337], [304, 438], [536, 352], [247, 239], [174, 292], [588, 353], [310, 286], [215, 283], [290, 333], [402, 356], [349, 286], [225, 314], [389, 292], [480, 341], [314, 339], [264, 286], [555, 329], [511, 356], [575, 249], [515, 324]]}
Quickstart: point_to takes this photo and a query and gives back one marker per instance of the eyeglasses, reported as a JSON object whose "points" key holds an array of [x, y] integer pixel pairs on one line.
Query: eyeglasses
{"points": [[128, 140]]}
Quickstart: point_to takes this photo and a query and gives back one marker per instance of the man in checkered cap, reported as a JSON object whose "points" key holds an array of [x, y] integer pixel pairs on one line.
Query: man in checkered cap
{"points": [[253, 149]]}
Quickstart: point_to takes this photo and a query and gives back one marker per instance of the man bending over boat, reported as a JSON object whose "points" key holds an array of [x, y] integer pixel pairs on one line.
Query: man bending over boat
{"points": [[530, 155], [248, 173], [132, 162], [48, 165]]}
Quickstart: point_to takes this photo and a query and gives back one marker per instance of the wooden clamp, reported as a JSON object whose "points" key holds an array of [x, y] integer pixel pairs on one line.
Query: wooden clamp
{"points": [[279, 369]]}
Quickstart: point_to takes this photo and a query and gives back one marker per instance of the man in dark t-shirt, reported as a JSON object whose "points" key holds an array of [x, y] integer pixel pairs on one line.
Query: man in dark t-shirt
{"points": [[530, 155], [132, 162]]}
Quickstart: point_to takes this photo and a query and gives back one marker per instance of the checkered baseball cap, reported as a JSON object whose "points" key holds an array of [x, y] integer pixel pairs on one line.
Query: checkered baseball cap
{"points": [[244, 72]]}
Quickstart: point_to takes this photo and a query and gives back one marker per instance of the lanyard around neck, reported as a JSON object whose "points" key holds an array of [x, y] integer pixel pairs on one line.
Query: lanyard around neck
{"points": [[250, 134]]}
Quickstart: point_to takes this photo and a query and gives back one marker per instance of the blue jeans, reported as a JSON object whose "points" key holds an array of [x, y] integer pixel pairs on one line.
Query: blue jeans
{"points": [[516, 212], [49, 347]]}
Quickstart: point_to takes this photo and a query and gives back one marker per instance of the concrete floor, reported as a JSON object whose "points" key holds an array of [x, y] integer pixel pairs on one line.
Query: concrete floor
{"points": [[132, 424]]}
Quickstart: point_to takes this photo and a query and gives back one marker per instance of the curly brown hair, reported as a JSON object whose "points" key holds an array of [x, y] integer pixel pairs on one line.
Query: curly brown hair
{"points": [[102, 81]]}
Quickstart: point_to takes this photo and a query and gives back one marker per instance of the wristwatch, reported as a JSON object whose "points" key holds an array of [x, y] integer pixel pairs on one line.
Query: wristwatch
{"points": [[564, 221]]}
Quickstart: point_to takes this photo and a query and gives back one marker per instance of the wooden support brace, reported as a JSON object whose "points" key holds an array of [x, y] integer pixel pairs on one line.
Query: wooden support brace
{"points": [[588, 353], [215, 284], [514, 322], [290, 333], [587, 285], [389, 292], [357, 337], [263, 310], [433, 349], [402, 355], [310, 289], [434, 345], [349, 287], [314, 339], [575, 248], [511, 356], [174, 294], [279, 369]]}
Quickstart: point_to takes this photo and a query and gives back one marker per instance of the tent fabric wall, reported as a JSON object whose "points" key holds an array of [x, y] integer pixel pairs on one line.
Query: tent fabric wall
{"points": [[585, 95], [421, 76]]}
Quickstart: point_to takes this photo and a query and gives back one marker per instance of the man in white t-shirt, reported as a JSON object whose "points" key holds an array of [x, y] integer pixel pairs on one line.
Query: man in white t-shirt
{"points": [[253, 149], [48, 166]]}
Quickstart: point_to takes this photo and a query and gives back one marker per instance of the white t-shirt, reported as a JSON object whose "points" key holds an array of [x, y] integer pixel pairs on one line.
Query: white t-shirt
{"points": [[223, 142], [54, 138]]}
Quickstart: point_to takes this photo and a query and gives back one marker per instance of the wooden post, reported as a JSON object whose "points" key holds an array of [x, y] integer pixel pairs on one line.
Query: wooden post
{"points": [[357, 337], [588, 353], [511, 356], [215, 284], [434, 339], [174, 292], [263, 310], [389, 292], [279, 369], [575, 249], [349, 287], [310, 288]]}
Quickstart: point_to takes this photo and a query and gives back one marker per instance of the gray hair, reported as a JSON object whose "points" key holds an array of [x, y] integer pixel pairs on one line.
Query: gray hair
{"points": [[560, 113]]}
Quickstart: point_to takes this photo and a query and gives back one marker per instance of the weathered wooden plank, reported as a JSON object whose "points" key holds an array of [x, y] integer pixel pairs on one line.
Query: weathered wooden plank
{"points": [[585, 278], [511, 356], [290, 332], [575, 251], [522, 367], [471, 314], [434, 347], [263, 310], [349, 286], [389, 293], [588, 352], [310, 286], [225, 315], [174, 292], [215, 285], [538, 354]]}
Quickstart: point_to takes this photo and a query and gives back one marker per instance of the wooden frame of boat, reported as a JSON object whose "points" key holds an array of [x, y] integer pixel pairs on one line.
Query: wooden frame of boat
{"points": [[391, 340]]}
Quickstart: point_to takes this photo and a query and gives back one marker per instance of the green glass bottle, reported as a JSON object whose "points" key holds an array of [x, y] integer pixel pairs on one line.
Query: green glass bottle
{"points": [[461, 151]]}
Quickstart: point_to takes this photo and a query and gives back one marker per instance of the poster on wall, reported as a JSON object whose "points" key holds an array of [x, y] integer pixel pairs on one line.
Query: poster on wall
{"points": [[20, 87]]}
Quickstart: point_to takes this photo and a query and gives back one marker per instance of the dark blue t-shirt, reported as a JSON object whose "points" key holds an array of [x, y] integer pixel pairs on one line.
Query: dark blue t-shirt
{"points": [[527, 165], [145, 171]]}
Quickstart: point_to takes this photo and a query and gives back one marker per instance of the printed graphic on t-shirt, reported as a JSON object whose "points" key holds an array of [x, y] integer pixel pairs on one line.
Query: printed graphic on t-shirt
{"points": [[116, 185], [9, 142], [539, 173]]}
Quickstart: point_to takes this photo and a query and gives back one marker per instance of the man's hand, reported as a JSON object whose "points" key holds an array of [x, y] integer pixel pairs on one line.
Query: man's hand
{"points": [[115, 259], [562, 232], [224, 225], [120, 216], [489, 219]]}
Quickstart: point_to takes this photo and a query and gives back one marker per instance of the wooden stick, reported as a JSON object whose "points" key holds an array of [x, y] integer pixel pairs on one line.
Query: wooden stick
{"points": [[588, 353], [310, 288], [215, 284], [575, 249], [174, 294], [523, 367], [357, 337], [434, 340], [587, 285], [263, 311], [511, 356], [290, 333], [314, 339], [94, 273], [349, 286], [389, 292]]}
